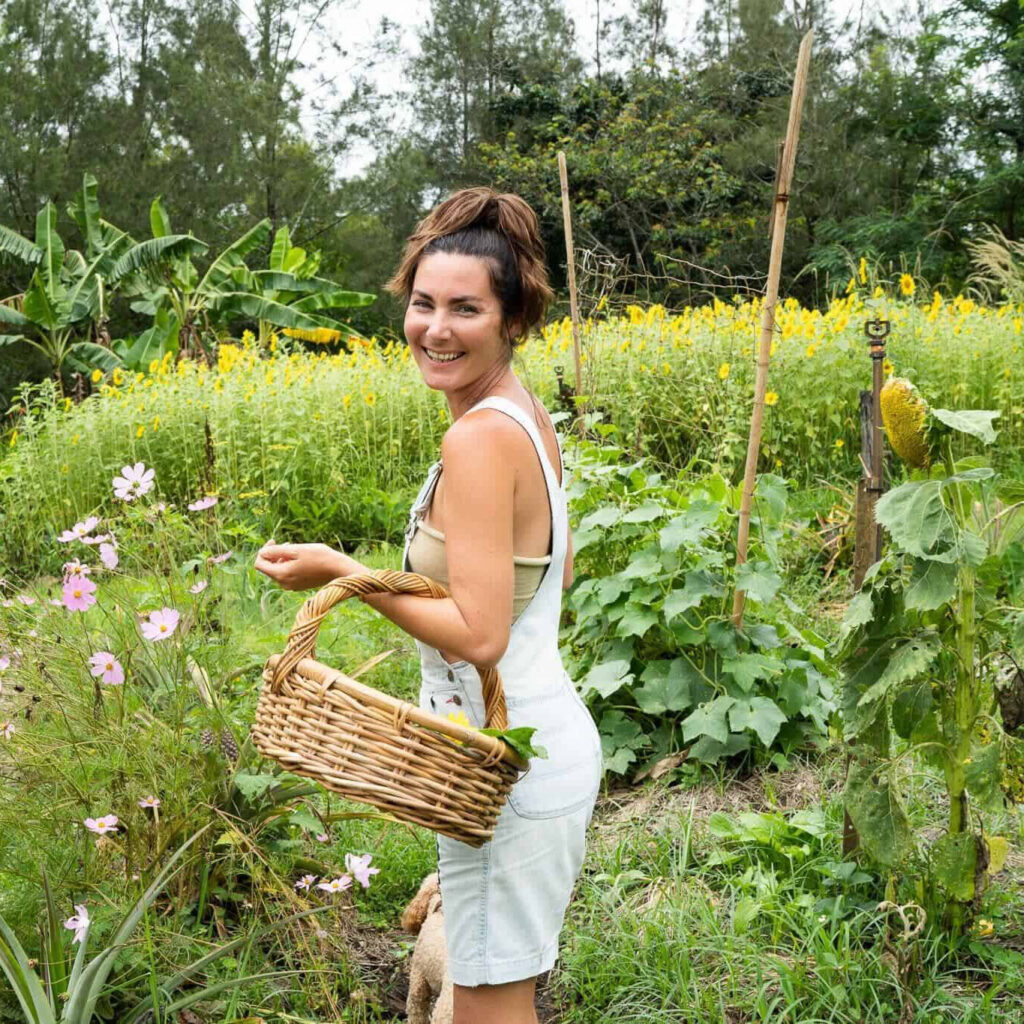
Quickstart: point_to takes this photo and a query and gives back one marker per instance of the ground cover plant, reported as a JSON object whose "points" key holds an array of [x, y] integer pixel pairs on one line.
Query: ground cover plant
{"points": [[709, 893]]}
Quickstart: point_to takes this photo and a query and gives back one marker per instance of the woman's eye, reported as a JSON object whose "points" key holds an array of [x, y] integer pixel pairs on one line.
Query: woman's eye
{"points": [[469, 309], [419, 302]]}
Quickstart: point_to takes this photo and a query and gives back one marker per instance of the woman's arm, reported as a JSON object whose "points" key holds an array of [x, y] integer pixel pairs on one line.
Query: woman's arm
{"points": [[479, 484]]}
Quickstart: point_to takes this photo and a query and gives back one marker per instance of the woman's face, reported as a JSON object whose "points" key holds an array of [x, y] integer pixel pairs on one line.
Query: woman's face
{"points": [[453, 312]]}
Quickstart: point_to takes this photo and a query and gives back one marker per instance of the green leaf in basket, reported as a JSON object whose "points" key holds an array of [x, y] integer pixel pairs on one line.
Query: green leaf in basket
{"points": [[519, 740]]}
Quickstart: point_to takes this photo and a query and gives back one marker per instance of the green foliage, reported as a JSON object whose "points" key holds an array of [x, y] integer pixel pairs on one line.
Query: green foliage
{"points": [[917, 651], [654, 648]]}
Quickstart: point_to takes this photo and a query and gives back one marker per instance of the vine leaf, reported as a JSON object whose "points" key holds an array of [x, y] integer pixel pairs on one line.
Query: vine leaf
{"points": [[709, 720], [761, 714]]}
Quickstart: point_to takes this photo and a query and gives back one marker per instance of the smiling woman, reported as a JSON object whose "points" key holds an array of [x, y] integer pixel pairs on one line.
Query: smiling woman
{"points": [[494, 529]]}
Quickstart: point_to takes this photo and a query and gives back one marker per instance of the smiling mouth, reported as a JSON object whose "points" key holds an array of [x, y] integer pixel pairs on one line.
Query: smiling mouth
{"points": [[443, 357]]}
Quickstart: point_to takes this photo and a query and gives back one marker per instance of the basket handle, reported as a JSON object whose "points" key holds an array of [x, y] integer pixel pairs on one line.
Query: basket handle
{"points": [[302, 639]]}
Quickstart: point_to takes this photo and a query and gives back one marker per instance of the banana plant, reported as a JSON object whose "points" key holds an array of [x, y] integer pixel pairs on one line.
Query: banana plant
{"points": [[164, 277], [291, 279], [64, 305], [69, 993]]}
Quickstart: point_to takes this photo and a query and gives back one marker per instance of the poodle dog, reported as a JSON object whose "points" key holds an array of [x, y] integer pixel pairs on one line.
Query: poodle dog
{"points": [[428, 976]]}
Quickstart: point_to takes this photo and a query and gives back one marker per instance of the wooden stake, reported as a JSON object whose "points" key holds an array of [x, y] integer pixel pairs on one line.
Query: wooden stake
{"points": [[570, 257], [778, 237]]}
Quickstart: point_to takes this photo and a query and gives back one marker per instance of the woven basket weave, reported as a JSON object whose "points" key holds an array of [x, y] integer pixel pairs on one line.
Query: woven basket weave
{"points": [[373, 748]]}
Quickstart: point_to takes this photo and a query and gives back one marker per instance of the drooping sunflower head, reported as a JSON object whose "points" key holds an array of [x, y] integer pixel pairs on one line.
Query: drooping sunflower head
{"points": [[903, 415]]}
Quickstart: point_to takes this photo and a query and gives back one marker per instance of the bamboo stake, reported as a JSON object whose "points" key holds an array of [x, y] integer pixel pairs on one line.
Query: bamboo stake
{"points": [[780, 210], [570, 256]]}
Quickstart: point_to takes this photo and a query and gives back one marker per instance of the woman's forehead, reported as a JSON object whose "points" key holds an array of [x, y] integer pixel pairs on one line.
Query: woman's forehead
{"points": [[445, 275]]}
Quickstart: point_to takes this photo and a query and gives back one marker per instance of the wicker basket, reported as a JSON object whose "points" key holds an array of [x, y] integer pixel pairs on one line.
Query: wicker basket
{"points": [[368, 746]]}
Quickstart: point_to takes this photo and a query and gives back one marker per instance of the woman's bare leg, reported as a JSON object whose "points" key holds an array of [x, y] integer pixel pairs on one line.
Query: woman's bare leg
{"points": [[512, 1003]]}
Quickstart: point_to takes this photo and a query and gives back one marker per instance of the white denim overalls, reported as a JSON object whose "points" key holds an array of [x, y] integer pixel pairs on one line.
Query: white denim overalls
{"points": [[505, 902]]}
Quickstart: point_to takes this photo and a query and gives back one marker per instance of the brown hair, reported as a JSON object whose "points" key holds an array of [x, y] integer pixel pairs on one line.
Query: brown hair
{"points": [[499, 228]]}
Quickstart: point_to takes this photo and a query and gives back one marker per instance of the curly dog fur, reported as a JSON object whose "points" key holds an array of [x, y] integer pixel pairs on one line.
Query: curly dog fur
{"points": [[428, 977]]}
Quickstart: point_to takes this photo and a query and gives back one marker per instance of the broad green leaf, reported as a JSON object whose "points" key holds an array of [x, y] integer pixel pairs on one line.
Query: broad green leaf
{"points": [[722, 636], [877, 812], [279, 250], [607, 515], [954, 862], [982, 774], [918, 520], [251, 786], [860, 611], [667, 686], [13, 244], [747, 669], [909, 660], [154, 252], [51, 246], [95, 355], [699, 584], [759, 580], [932, 584], [607, 677], [621, 737], [910, 707], [336, 298], [245, 304], [710, 751], [8, 315], [85, 211], [976, 422], [760, 714], [235, 253], [690, 527], [159, 222], [636, 621], [645, 513], [709, 720]]}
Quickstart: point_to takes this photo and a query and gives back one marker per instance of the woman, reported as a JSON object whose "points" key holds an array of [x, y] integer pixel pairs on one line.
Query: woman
{"points": [[493, 528]]}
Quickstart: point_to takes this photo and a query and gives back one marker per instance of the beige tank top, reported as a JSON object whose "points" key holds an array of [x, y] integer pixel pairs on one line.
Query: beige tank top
{"points": [[428, 557]]}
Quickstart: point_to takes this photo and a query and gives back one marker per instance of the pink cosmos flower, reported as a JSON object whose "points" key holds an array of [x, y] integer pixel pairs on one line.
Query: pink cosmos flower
{"points": [[198, 588], [108, 555], [79, 530], [78, 593], [6, 603], [102, 826], [149, 801], [6, 729], [75, 568], [305, 882], [335, 884], [5, 662], [78, 923], [99, 539], [161, 624], [133, 482], [197, 506], [26, 599], [322, 837], [56, 602], [107, 667], [360, 868], [217, 559]]}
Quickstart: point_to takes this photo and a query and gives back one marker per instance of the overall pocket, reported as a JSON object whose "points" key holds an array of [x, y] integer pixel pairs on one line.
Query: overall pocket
{"points": [[569, 777]]}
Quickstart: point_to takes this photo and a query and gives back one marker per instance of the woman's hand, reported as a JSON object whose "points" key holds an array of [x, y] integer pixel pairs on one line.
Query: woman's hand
{"points": [[303, 566]]}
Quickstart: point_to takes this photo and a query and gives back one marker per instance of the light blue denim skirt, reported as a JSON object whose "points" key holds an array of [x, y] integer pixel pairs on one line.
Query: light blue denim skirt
{"points": [[504, 903]]}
